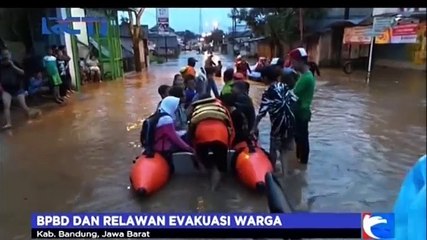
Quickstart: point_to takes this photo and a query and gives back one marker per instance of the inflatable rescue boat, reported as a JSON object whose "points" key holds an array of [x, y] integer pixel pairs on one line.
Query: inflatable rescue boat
{"points": [[252, 164], [149, 175]]}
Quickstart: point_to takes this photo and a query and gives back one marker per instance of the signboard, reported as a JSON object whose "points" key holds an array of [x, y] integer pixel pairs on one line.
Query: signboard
{"points": [[357, 35], [381, 24], [381, 11], [402, 33], [406, 33], [62, 26], [162, 15], [383, 38]]}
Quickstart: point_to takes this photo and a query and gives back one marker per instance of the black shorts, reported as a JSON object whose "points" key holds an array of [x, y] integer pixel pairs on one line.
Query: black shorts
{"points": [[219, 157], [13, 91]]}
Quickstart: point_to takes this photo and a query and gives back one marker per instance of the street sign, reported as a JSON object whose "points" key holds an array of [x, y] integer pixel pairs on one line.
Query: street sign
{"points": [[381, 24], [162, 15]]}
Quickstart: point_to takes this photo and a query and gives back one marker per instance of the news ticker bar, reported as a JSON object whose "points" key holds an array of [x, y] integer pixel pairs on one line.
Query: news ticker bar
{"points": [[193, 233]]}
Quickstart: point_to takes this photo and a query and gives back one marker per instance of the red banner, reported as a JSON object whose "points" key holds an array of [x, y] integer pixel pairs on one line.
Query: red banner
{"points": [[405, 33]]}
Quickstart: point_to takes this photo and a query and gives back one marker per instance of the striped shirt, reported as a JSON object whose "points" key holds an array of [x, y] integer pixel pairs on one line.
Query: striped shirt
{"points": [[278, 102]]}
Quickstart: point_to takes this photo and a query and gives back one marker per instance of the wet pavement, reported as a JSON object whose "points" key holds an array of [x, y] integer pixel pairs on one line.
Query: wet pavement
{"points": [[76, 158]]}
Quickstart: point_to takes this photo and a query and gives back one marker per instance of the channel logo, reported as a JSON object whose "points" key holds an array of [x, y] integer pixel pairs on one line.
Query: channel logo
{"points": [[377, 226]]}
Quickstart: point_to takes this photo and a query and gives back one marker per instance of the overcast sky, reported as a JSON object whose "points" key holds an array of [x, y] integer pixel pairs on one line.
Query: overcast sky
{"points": [[182, 19]]}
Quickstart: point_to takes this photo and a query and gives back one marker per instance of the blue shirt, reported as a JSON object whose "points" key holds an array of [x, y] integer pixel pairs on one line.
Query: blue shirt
{"points": [[189, 95]]}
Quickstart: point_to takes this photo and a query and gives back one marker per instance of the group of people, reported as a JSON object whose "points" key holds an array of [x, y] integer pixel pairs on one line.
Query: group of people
{"points": [[34, 77], [287, 100]]}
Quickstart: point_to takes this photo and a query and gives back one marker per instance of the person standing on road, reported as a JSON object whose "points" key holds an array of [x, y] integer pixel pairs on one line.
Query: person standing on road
{"points": [[242, 66], [49, 62], [304, 90], [12, 85]]}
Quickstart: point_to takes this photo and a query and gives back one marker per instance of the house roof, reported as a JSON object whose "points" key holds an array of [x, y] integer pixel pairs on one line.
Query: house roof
{"points": [[156, 29], [328, 23], [124, 31], [244, 34]]}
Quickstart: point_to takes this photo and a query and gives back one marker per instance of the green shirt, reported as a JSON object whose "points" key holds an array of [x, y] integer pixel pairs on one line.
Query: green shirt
{"points": [[304, 89], [227, 89]]}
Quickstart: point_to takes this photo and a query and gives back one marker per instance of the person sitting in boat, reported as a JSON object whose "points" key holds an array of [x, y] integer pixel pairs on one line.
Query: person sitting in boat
{"points": [[190, 91], [180, 114], [242, 66], [212, 131], [163, 91], [167, 140], [178, 81]]}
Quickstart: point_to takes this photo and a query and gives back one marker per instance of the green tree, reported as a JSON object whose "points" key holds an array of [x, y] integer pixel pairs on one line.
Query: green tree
{"points": [[279, 25]]}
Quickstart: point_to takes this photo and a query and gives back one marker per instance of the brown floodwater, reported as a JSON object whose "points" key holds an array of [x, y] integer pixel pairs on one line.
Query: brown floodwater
{"points": [[76, 158]]}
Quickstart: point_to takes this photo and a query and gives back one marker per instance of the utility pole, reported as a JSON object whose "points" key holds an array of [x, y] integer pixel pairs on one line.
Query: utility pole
{"points": [[200, 21], [234, 13], [301, 25]]}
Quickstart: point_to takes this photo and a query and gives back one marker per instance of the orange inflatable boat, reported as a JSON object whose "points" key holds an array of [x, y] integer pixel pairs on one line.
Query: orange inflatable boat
{"points": [[149, 174], [251, 165]]}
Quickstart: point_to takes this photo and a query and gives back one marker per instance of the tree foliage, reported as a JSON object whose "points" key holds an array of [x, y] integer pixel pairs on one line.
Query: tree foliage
{"points": [[216, 37], [279, 25]]}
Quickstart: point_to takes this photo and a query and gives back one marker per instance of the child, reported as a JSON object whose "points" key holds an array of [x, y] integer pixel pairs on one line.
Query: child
{"points": [[62, 63], [49, 63], [163, 91], [190, 91], [178, 81], [273, 102], [36, 84]]}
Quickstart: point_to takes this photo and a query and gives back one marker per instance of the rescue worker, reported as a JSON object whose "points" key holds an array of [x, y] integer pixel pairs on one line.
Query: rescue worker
{"points": [[212, 133]]}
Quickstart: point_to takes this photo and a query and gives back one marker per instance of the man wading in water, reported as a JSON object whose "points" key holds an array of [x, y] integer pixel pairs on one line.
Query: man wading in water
{"points": [[304, 90]]}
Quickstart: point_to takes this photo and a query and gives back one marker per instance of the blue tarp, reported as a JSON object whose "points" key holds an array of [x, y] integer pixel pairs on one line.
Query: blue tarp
{"points": [[410, 207]]}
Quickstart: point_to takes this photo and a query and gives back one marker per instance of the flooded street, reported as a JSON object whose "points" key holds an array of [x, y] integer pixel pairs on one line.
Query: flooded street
{"points": [[77, 158]]}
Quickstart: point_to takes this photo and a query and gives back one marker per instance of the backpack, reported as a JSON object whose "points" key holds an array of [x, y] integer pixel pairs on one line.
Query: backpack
{"points": [[148, 132]]}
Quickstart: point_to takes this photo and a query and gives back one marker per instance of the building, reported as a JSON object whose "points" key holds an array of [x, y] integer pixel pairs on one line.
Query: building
{"points": [[406, 45], [324, 38], [165, 44], [20, 30], [127, 47]]}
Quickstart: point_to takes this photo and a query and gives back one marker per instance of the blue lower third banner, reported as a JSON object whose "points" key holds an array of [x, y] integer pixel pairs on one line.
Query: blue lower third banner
{"points": [[300, 225]]}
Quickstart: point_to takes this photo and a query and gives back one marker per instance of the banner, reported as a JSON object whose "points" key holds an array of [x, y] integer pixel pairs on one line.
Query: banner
{"points": [[383, 38], [358, 35], [298, 225], [405, 33]]}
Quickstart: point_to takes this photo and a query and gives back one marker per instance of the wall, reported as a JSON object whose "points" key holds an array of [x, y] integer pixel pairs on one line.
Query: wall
{"points": [[67, 40], [82, 37], [397, 56], [324, 49]]}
